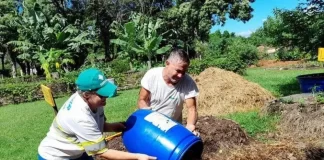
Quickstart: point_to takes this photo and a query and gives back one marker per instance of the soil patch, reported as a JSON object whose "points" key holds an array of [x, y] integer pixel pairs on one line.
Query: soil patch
{"points": [[217, 135], [276, 63], [222, 92], [117, 144], [224, 139]]}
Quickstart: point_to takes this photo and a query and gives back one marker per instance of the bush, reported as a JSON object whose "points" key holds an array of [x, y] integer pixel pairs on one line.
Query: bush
{"points": [[119, 65], [197, 66], [232, 63], [289, 55], [245, 52], [24, 79], [235, 55], [27, 92]]}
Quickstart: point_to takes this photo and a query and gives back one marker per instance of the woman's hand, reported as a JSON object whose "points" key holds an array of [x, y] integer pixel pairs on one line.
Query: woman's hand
{"points": [[120, 126], [115, 127], [145, 157]]}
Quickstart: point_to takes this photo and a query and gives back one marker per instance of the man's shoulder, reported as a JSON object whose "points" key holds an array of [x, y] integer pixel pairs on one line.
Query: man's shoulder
{"points": [[187, 78], [155, 69]]}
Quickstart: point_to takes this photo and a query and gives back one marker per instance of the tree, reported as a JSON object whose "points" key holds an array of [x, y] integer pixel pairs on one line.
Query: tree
{"points": [[140, 36], [296, 28], [8, 31], [106, 12], [192, 20]]}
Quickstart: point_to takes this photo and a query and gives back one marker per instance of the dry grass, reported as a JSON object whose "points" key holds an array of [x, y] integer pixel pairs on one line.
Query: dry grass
{"points": [[223, 92], [299, 120], [276, 151]]}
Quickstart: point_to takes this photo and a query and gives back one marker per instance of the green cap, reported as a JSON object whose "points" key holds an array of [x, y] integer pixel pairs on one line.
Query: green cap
{"points": [[93, 79]]}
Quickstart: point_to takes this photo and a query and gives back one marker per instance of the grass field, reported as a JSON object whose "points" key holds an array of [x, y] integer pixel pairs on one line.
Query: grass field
{"points": [[278, 82], [23, 126]]}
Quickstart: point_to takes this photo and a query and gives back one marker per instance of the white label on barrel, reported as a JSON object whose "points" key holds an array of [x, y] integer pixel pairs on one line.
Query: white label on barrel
{"points": [[160, 121]]}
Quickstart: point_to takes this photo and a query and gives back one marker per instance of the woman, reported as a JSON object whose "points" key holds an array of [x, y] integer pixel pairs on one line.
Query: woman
{"points": [[77, 130]]}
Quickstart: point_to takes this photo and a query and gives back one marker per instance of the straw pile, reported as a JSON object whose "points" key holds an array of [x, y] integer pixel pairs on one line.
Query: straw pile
{"points": [[222, 92], [299, 120], [276, 151]]}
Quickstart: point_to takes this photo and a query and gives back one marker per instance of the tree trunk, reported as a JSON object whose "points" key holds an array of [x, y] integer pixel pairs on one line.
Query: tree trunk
{"points": [[131, 66], [2, 61], [13, 62], [149, 63], [28, 68]]}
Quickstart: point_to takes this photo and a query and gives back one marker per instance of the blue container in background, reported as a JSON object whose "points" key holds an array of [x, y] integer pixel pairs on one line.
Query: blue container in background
{"points": [[154, 134], [311, 82]]}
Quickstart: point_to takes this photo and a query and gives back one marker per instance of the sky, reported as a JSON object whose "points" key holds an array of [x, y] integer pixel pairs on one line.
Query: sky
{"points": [[262, 10]]}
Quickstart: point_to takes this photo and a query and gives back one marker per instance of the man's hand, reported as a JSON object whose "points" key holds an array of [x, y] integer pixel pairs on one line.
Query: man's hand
{"points": [[192, 128]]}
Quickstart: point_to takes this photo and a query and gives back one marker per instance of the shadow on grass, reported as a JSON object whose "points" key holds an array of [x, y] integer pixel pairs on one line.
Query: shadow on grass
{"points": [[289, 88]]}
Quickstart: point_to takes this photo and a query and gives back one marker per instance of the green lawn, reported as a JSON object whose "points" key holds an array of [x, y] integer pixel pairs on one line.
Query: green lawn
{"points": [[278, 82], [23, 126]]}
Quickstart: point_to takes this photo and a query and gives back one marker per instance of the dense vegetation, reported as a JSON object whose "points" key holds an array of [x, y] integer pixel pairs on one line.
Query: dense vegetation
{"points": [[49, 41]]}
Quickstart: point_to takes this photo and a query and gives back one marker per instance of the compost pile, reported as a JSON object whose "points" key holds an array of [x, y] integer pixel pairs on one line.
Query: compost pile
{"points": [[274, 151], [217, 135], [222, 92], [302, 119]]}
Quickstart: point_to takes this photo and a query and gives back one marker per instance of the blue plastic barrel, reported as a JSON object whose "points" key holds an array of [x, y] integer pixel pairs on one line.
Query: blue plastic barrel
{"points": [[311, 82], [152, 133]]}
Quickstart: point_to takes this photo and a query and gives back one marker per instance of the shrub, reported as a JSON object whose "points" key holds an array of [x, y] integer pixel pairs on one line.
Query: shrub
{"points": [[119, 65], [26, 92], [289, 55], [197, 66], [231, 63], [245, 52], [234, 55]]}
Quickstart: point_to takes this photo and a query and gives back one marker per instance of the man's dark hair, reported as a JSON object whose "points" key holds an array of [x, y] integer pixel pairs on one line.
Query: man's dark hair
{"points": [[179, 54]]}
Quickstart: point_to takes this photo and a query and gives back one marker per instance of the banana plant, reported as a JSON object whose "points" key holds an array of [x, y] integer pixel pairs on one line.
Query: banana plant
{"points": [[149, 39], [52, 60], [126, 39], [140, 38]]}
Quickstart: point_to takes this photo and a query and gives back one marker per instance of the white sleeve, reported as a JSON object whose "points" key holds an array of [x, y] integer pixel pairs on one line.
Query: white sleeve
{"points": [[89, 135], [147, 79], [192, 89]]}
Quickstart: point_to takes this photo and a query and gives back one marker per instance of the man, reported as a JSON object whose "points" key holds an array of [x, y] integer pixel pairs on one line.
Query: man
{"points": [[77, 130], [165, 89]]}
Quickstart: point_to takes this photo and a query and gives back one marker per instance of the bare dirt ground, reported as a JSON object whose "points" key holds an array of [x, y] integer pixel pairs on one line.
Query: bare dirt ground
{"points": [[218, 136], [276, 63], [300, 131], [224, 139]]}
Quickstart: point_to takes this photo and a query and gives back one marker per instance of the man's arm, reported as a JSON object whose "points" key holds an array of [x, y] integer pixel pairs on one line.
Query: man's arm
{"points": [[192, 113], [143, 99]]}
